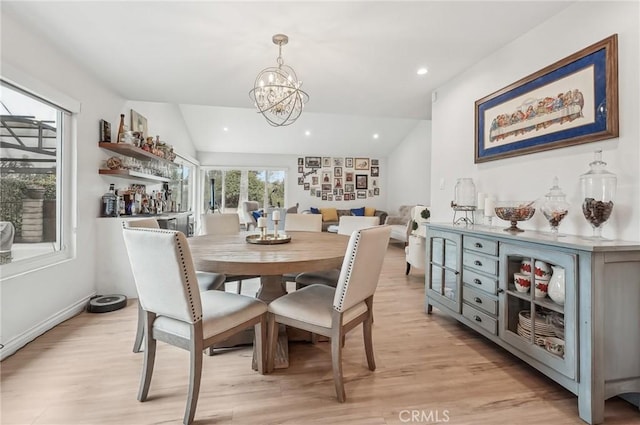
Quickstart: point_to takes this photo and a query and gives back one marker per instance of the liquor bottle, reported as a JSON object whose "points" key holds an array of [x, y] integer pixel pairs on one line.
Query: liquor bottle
{"points": [[121, 129], [110, 206]]}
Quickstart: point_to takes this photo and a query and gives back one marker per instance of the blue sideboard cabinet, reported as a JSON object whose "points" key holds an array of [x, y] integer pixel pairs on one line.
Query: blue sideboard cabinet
{"points": [[470, 275]]}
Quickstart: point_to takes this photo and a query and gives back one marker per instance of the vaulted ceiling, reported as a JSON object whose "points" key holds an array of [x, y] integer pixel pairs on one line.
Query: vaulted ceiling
{"points": [[357, 60]]}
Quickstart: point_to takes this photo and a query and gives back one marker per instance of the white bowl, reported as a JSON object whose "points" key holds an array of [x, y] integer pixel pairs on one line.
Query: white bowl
{"points": [[542, 270], [522, 282]]}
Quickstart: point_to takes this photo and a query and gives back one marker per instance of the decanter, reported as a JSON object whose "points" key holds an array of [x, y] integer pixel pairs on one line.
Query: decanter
{"points": [[598, 187]]}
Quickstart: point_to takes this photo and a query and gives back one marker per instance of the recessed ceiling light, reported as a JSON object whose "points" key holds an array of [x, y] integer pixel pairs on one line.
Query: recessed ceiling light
{"points": [[422, 71], [375, 136], [307, 133], [225, 129]]}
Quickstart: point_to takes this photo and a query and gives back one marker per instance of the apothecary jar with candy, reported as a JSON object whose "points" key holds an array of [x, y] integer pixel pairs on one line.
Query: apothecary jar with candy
{"points": [[598, 188], [555, 206]]}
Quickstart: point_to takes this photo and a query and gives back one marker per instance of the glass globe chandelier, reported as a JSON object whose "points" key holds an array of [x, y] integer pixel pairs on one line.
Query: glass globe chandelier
{"points": [[276, 92]]}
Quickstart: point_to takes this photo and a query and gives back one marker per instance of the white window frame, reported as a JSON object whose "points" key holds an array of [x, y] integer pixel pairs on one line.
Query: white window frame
{"points": [[66, 170]]}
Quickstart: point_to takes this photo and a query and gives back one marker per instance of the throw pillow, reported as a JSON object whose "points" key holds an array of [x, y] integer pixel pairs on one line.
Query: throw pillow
{"points": [[369, 211], [329, 214], [315, 210], [357, 211], [256, 214]]}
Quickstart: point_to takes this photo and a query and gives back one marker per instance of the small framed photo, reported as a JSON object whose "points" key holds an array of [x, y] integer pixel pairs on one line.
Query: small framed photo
{"points": [[139, 123], [326, 161], [348, 177], [348, 187], [329, 197], [375, 171], [348, 162], [326, 187], [376, 191], [312, 161], [374, 182], [337, 183], [370, 193], [105, 131], [313, 191], [300, 161], [362, 194], [337, 171], [307, 186], [318, 194], [362, 181], [338, 162], [301, 180], [324, 196], [326, 177], [361, 163], [315, 180], [375, 162], [300, 169], [338, 198]]}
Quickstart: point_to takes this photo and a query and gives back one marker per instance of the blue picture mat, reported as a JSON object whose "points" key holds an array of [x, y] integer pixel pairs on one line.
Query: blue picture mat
{"points": [[597, 60]]}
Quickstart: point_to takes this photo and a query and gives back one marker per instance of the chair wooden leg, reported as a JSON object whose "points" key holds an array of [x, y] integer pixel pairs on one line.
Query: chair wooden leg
{"points": [[366, 333], [137, 343], [408, 269], [336, 362], [261, 343], [149, 355], [273, 340], [368, 344], [195, 373]]}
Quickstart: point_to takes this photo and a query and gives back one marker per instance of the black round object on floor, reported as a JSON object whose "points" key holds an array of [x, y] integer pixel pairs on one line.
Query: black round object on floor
{"points": [[106, 303]]}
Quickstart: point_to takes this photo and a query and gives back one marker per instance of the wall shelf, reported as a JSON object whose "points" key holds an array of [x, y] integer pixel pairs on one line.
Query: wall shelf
{"points": [[133, 174], [133, 152]]}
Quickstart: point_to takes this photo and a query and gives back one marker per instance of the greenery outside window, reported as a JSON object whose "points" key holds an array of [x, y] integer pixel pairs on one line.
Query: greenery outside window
{"points": [[225, 189]]}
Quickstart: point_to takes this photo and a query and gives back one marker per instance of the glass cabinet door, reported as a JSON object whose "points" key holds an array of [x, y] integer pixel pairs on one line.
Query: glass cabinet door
{"points": [[533, 319], [443, 277]]}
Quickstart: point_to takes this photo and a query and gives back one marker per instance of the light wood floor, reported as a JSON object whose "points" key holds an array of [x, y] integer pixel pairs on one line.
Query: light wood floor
{"points": [[83, 372]]}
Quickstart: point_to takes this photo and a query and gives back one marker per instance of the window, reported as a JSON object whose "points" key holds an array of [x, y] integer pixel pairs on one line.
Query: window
{"points": [[225, 189], [182, 184], [34, 135]]}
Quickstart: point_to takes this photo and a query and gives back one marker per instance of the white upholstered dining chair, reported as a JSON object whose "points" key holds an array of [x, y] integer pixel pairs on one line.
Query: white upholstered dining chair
{"points": [[301, 223], [206, 281], [224, 224], [332, 312], [177, 313], [346, 226]]}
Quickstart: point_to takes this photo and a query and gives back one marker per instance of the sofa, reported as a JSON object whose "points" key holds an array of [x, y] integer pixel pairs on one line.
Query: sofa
{"points": [[333, 219]]}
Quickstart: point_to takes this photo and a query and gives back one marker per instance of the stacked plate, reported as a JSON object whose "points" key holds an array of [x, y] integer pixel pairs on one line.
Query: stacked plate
{"points": [[542, 326]]}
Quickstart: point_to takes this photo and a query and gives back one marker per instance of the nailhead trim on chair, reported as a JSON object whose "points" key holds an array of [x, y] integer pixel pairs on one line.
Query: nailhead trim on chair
{"points": [[349, 270], [194, 317]]}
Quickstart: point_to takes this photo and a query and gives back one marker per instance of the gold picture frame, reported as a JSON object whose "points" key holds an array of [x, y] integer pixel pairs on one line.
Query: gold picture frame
{"points": [[139, 124]]}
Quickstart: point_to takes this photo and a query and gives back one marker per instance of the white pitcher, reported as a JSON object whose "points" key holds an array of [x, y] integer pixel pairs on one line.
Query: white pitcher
{"points": [[556, 285]]}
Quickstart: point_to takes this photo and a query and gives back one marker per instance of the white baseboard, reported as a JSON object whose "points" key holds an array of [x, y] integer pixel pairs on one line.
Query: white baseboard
{"points": [[21, 340]]}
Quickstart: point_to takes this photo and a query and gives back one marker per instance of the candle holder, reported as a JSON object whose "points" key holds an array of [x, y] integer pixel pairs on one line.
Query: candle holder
{"points": [[275, 228]]}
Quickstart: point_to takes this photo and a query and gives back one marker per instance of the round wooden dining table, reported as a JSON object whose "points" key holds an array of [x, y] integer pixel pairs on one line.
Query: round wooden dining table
{"points": [[232, 254]]}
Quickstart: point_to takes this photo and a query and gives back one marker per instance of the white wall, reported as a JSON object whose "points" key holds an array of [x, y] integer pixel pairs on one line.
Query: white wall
{"points": [[529, 177], [33, 302], [409, 166], [294, 192]]}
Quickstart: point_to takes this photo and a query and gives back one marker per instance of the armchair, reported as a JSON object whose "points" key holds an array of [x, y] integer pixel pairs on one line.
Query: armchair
{"points": [[246, 217], [415, 251]]}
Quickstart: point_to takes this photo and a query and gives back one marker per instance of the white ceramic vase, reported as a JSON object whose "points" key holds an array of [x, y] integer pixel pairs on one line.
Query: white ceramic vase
{"points": [[555, 289]]}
